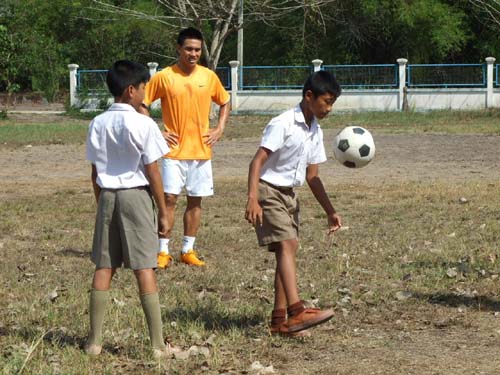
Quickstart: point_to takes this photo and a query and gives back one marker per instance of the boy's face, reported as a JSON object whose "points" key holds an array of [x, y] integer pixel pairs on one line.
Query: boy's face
{"points": [[137, 95], [320, 105], [189, 52]]}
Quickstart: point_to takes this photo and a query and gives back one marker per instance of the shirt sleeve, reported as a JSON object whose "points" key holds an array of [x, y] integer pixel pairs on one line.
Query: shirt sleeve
{"points": [[155, 145], [274, 136], [317, 153], [219, 94], [90, 149], [155, 89]]}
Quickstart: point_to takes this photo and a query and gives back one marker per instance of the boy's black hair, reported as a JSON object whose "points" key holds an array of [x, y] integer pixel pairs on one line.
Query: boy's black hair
{"points": [[124, 73], [322, 82], [189, 33]]}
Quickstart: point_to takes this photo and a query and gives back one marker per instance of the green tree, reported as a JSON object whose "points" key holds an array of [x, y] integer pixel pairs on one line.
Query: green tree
{"points": [[8, 67]]}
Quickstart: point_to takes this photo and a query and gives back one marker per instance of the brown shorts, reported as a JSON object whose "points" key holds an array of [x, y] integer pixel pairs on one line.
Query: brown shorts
{"points": [[280, 209], [125, 230]]}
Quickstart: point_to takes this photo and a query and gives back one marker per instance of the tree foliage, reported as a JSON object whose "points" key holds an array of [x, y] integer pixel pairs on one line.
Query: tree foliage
{"points": [[39, 38]]}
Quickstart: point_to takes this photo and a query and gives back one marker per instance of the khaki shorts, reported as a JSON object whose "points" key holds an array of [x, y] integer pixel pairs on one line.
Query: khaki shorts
{"points": [[280, 209], [125, 230]]}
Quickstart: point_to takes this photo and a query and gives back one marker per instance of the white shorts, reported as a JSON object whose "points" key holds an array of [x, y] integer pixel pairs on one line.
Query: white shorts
{"points": [[194, 175]]}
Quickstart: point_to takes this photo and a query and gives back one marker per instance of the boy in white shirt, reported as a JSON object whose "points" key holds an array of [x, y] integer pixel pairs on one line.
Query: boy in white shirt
{"points": [[289, 154], [123, 147]]}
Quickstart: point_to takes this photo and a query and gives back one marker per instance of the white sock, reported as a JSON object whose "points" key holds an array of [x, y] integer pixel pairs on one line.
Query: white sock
{"points": [[187, 244], [164, 245]]}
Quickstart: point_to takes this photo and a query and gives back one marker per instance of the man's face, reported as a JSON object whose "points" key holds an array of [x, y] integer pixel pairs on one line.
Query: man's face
{"points": [[189, 52], [321, 105]]}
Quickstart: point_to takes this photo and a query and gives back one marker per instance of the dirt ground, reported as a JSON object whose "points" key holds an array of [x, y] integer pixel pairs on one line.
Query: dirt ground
{"points": [[34, 170], [398, 158]]}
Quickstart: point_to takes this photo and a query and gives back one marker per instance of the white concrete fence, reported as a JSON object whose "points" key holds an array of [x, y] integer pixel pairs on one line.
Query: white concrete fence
{"points": [[351, 100]]}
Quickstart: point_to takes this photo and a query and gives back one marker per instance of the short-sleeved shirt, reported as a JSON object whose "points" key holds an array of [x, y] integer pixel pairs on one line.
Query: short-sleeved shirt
{"points": [[120, 142], [185, 105], [294, 146]]}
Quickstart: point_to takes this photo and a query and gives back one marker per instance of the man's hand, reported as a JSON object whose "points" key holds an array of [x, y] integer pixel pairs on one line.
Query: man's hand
{"points": [[334, 223], [253, 212], [171, 138], [213, 135]]}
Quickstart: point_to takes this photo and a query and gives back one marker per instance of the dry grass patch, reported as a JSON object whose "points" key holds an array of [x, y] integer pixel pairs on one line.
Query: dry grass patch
{"points": [[414, 275]]}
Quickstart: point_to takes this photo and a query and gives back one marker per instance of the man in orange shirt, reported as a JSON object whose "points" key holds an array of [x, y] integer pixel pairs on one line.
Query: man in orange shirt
{"points": [[186, 91]]}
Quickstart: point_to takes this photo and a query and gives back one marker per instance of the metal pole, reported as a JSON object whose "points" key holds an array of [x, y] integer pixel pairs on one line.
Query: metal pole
{"points": [[239, 55], [239, 52]]}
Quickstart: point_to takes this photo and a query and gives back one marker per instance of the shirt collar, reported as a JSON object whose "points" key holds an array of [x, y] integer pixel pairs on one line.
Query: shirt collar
{"points": [[121, 107], [299, 119]]}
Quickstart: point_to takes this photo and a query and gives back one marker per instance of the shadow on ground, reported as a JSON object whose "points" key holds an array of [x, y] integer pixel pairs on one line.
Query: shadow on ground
{"points": [[478, 302]]}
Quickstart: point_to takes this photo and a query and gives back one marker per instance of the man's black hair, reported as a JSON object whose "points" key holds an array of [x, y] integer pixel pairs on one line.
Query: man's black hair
{"points": [[124, 73], [189, 33], [322, 82]]}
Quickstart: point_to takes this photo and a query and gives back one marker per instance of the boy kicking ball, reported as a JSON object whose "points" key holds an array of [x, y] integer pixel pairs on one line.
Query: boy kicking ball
{"points": [[289, 154], [123, 147]]}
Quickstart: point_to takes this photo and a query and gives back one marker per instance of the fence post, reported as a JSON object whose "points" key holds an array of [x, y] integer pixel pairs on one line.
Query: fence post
{"points": [[402, 83], [72, 84], [489, 82], [317, 64], [152, 68], [234, 64]]}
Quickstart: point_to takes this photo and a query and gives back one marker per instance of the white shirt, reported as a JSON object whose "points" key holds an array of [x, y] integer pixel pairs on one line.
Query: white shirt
{"points": [[120, 142], [294, 146]]}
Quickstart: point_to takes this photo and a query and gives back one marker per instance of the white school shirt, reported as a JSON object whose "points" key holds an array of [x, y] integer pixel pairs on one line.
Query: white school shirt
{"points": [[294, 146], [120, 142]]}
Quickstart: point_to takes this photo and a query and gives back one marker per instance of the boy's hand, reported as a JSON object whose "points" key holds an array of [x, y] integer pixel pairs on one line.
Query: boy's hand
{"points": [[253, 213], [162, 225], [213, 135], [171, 138], [334, 223]]}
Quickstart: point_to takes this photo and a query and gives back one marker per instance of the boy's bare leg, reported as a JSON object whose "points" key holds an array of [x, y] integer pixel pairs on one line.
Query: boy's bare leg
{"points": [[148, 293], [299, 318], [279, 292], [99, 296], [146, 280], [102, 278], [285, 267], [192, 216], [279, 314]]}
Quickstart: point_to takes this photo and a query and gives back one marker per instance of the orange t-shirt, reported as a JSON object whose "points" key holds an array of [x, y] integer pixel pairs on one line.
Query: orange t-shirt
{"points": [[185, 107]]}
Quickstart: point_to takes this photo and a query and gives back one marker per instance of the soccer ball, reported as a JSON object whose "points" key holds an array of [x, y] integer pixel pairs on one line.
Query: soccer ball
{"points": [[354, 147]]}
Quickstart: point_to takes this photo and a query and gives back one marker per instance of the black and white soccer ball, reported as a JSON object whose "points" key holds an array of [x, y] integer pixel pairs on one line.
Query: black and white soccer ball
{"points": [[354, 147]]}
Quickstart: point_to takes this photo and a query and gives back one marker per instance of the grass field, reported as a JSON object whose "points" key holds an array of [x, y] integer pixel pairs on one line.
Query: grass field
{"points": [[414, 280], [39, 129]]}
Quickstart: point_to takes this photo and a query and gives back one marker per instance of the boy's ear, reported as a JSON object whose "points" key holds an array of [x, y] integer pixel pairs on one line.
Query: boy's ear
{"points": [[130, 91], [309, 96]]}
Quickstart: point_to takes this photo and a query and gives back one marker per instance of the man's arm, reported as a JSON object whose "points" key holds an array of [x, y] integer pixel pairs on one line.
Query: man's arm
{"points": [[318, 190], [97, 188], [215, 134], [253, 212], [156, 186]]}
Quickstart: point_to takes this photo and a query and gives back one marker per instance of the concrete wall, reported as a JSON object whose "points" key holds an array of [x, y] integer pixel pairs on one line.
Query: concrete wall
{"points": [[371, 100], [465, 99]]}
